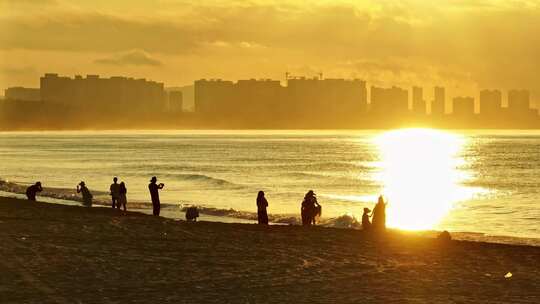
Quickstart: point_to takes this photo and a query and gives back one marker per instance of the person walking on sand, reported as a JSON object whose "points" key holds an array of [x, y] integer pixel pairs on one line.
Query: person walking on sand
{"points": [[86, 195], [154, 194], [262, 203], [379, 215], [366, 224], [122, 196], [33, 190], [115, 193]]}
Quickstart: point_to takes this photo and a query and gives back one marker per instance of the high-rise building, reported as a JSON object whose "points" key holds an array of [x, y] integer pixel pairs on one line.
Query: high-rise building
{"points": [[103, 94], [176, 101], [213, 97], [327, 97], [463, 106], [519, 109], [439, 102], [490, 103], [418, 103], [389, 101], [518, 100], [256, 98], [20, 93]]}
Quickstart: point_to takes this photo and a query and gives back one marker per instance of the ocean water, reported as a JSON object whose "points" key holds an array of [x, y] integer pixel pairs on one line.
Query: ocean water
{"points": [[473, 181]]}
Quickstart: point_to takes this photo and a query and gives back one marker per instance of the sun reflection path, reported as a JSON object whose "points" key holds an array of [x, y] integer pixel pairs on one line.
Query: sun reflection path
{"points": [[418, 170]]}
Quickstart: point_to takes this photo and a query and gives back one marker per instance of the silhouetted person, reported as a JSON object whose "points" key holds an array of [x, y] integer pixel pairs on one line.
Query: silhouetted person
{"points": [[366, 224], [33, 190], [192, 213], [310, 209], [444, 237], [154, 194], [379, 215], [304, 212], [122, 196], [86, 195], [262, 203], [115, 193], [317, 212]]}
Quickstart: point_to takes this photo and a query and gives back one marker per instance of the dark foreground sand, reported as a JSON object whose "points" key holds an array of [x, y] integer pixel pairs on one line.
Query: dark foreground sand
{"points": [[62, 254]]}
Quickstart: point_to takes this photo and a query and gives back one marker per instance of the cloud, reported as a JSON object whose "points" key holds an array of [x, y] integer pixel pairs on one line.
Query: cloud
{"points": [[93, 32], [490, 43], [134, 57], [17, 71], [25, 3]]}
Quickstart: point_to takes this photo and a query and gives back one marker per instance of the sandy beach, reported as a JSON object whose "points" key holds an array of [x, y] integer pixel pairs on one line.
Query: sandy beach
{"points": [[66, 254]]}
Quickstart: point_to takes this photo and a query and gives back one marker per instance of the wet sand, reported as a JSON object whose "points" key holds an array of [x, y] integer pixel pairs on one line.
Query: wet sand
{"points": [[65, 254]]}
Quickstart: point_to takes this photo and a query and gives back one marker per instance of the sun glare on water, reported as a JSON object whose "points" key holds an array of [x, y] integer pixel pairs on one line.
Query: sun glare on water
{"points": [[419, 172]]}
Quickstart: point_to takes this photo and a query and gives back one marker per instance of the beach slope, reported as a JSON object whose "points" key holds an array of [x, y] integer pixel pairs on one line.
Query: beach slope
{"points": [[65, 254]]}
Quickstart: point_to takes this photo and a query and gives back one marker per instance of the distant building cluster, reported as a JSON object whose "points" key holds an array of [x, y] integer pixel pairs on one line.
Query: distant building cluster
{"points": [[336, 100], [301, 98], [95, 93], [299, 103]]}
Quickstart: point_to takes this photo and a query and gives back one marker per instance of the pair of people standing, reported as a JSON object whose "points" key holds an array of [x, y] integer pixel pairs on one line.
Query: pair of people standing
{"points": [[118, 194], [310, 209], [379, 217]]}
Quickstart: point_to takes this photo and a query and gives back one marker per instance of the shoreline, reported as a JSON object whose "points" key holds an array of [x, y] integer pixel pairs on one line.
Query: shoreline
{"points": [[63, 254], [215, 215]]}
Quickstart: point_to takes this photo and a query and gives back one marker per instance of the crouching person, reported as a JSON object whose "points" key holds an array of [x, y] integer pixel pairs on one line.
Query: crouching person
{"points": [[86, 195], [192, 213]]}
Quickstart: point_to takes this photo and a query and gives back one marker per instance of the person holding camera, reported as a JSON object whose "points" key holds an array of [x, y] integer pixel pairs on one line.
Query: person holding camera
{"points": [[154, 188], [86, 195]]}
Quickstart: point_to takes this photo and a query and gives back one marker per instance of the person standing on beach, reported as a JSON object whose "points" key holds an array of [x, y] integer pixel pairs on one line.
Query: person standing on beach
{"points": [[379, 215], [154, 194], [122, 196], [86, 195], [262, 203], [115, 193], [310, 209], [366, 224], [33, 190]]}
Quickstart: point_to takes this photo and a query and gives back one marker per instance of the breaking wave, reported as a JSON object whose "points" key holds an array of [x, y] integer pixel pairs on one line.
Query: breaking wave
{"points": [[204, 179], [344, 221]]}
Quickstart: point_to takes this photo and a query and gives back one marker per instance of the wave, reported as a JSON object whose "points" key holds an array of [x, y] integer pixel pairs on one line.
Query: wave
{"points": [[202, 179], [344, 221], [364, 199], [332, 179], [205, 178], [305, 175], [314, 165]]}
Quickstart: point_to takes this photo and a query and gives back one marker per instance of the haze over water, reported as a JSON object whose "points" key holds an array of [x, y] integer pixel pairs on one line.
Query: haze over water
{"points": [[460, 181]]}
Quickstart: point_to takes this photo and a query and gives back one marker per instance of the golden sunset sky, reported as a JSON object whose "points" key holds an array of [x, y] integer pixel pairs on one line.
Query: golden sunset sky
{"points": [[464, 45]]}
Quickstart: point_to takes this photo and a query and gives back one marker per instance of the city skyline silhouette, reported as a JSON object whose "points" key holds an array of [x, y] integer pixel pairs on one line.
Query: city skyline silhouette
{"points": [[296, 102]]}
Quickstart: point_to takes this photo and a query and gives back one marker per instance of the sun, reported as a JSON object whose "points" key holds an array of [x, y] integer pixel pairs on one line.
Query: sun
{"points": [[419, 171]]}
